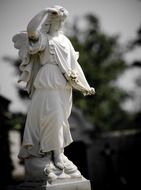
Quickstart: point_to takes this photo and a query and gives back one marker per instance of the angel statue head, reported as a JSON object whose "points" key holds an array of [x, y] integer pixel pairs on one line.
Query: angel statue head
{"points": [[48, 20], [56, 17]]}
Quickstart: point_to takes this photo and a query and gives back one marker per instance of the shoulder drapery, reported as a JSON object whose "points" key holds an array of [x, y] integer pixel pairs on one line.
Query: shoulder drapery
{"points": [[67, 60]]}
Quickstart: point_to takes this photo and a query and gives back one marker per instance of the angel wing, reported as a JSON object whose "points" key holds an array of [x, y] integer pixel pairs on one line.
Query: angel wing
{"points": [[30, 62], [21, 43]]}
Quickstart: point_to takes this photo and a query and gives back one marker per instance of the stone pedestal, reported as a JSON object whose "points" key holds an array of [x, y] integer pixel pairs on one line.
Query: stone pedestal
{"points": [[82, 184], [71, 184]]}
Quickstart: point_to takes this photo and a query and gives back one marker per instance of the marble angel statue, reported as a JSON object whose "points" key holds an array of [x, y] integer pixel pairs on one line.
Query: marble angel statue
{"points": [[51, 70]]}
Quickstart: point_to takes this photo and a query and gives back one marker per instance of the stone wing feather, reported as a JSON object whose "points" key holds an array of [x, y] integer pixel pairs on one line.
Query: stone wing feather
{"points": [[21, 43]]}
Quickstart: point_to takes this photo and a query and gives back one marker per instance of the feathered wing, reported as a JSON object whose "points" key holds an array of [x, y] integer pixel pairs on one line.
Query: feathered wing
{"points": [[29, 67], [21, 43]]}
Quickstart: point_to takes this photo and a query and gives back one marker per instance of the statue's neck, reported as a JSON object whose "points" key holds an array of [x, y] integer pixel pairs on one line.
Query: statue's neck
{"points": [[54, 29], [53, 33]]}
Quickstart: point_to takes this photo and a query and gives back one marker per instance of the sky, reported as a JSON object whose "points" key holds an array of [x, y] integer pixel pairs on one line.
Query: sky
{"points": [[116, 17]]}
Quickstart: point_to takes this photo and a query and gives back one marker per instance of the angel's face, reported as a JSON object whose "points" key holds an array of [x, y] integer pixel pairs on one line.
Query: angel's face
{"points": [[57, 12], [56, 17]]}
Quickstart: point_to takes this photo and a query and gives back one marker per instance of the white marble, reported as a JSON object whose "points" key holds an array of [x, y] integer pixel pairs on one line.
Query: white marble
{"points": [[51, 70], [74, 184]]}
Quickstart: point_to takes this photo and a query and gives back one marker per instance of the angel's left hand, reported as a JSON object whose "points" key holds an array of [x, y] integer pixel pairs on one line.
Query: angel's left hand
{"points": [[90, 92]]}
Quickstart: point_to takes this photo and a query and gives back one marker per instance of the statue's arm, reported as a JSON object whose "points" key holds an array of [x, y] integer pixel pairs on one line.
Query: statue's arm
{"points": [[35, 34], [78, 79], [35, 25]]}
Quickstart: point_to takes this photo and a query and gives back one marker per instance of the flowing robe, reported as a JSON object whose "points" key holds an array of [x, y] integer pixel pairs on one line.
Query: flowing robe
{"points": [[49, 76]]}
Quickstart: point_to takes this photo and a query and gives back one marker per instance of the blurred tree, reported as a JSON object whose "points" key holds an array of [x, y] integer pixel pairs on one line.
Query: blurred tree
{"points": [[17, 120], [136, 43], [16, 63], [102, 62]]}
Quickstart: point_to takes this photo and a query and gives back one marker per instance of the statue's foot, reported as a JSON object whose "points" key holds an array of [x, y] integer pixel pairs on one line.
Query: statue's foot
{"points": [[58, 160], [70, 168], [61, 167]]}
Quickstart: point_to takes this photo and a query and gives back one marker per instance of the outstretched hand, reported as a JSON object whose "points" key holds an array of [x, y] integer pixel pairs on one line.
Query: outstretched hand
{"points": [[90, 92]]}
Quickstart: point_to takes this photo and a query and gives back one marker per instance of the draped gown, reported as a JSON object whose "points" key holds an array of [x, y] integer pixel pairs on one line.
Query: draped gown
{"points": [[47, 126]]}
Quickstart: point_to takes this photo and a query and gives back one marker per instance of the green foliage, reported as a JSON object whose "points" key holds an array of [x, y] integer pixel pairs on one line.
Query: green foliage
{"points": [[102, 63], [17, 121]]}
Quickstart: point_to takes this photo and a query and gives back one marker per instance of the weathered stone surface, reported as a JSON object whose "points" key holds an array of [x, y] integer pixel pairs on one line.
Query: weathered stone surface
{"points": [[75, 185], [71, 184]]}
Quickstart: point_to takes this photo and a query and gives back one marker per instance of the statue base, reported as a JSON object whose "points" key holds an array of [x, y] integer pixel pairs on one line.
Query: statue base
{"points": [[66, 184], [42, 174]]}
